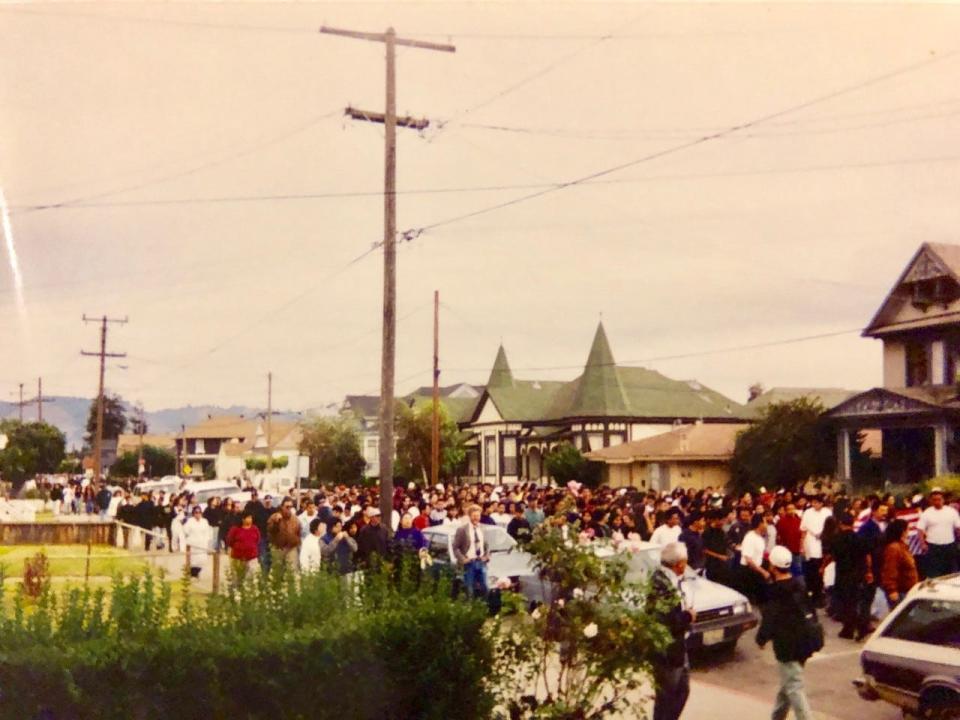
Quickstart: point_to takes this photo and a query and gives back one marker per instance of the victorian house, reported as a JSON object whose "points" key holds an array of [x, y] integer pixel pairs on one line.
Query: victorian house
{"points": [[516, 422], [917, 409]]}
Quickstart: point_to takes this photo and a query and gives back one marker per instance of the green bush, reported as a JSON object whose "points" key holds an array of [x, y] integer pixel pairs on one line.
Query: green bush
{"points": [[950, 484], [277, 648]]}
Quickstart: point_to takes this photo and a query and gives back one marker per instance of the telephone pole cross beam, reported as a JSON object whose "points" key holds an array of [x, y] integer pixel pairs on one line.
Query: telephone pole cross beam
{"points": [[390, 122]]}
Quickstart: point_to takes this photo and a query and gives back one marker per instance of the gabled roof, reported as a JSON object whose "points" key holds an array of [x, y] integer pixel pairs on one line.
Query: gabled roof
{"points": [[931, 260], [524, 400], [130, 442], [828, 397], [928, 399], [459, 410], [222, 427], [362, 405], [698, 442]]}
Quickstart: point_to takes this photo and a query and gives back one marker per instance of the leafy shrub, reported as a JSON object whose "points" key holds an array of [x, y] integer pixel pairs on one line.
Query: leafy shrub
{"points": [[950, 484], [279, 647], [36, 575]]}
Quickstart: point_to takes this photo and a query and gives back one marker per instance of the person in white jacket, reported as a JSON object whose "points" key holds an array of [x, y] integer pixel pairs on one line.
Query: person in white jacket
{"points": [[311, 548], [196, 536]]}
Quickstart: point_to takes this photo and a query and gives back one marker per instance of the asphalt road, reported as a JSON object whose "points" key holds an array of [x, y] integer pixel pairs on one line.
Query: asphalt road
{"points": [[828, 676]]}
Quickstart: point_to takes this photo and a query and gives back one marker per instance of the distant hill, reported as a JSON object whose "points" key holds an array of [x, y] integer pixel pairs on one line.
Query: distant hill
{"points": [[70, 415]]}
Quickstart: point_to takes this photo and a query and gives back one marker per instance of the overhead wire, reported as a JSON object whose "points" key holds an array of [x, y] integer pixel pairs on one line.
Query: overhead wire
{"points": [[897, 72]]}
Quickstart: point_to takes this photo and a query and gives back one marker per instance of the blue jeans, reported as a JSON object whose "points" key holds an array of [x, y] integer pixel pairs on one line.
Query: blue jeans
{"points": [[475, 578], [796, 566], [791, 694], [263, 552]]}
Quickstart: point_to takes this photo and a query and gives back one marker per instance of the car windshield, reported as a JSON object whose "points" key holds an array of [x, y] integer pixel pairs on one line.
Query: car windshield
{"points": [[497, 539], [929, 621]]}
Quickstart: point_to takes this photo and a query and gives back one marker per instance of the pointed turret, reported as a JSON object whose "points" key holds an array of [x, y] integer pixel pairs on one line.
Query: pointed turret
{"points": [[501, 376], [600, 391]]}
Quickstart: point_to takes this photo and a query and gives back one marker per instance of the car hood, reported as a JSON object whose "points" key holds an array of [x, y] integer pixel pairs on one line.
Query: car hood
{"points": [[511, 564], [703, 594]]}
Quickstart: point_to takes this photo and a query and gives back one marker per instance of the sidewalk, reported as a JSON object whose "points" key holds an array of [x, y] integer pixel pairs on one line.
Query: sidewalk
{"points": [[720, 703]]}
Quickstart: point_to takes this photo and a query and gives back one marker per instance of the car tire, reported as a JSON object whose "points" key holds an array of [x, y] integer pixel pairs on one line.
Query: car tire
{"points": [[939, 704]]}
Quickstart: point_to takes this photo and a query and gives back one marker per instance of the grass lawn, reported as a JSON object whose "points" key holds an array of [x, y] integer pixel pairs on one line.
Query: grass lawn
{"points": [[69, 561]]}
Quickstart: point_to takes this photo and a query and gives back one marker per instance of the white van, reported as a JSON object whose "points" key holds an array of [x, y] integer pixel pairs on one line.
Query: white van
{"points": [[203, 490]]}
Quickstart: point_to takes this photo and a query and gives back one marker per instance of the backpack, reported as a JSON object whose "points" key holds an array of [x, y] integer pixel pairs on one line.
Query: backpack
{"points": [[810, 636]]}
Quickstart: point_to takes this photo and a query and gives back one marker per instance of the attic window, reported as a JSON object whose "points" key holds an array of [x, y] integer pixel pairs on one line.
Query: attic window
{"points": [[933, 291]]}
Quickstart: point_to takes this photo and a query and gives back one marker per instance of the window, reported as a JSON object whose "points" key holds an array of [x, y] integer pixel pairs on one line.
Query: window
{"points": [[489, 456], [918, 364], [371, 449], [928, 621], [509, 445], [198, 446]]}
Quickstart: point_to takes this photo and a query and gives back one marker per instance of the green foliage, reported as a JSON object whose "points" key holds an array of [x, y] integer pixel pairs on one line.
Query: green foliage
{"points": [[334, 449], [950, 484], [789, 444], [275, 646], [70, 465], [210, 471], [158, 462], [31, 448], [414, 427], [565, 463], [259, 464], [579, 655], [114, 419]]}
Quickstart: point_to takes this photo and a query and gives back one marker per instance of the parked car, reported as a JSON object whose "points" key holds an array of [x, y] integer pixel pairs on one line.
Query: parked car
{"points": [[507, 560], [723, 614], [912, 660], [203, 490], [167, 484]]}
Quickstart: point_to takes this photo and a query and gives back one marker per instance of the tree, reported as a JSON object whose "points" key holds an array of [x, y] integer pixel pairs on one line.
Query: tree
{"points": [[157, 461], [334, 449], [31, 448], [789, 444], [414, 428], [565, 463], [138, 426], [114, 419]]}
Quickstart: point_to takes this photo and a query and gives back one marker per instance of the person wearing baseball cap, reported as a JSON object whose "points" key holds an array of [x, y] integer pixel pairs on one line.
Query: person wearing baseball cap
{"points": [[785, 612]]}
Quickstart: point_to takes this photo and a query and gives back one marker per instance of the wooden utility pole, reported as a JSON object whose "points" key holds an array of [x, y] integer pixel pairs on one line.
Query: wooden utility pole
{"points": [[183, 450], [103, 355], [41, 400], [390, 122], [269, 421], [435, 442], [140, 430], [20, 403]]}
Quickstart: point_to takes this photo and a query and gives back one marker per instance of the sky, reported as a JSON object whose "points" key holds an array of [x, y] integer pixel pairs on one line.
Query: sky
{"points": [[743, 175]]}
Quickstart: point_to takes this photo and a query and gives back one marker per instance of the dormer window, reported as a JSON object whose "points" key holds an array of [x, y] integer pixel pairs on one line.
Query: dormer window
{"points": [[933, 291]]}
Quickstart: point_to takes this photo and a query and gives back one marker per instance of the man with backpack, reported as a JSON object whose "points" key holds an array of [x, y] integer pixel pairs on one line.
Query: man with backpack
{"points": [[790, 621]]}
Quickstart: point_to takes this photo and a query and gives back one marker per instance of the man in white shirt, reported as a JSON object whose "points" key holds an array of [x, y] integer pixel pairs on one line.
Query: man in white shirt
{"points": [[470, 550], [752, 550], [811, 528], [938, 528], [670, 531], [311, 549], [308, 515]]}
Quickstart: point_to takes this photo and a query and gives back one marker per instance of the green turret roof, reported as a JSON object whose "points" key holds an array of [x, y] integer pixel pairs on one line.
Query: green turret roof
{"points": [[599, 391], [501, 376]]}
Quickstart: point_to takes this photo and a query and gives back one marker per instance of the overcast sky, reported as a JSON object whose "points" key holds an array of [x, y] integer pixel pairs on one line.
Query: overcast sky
{"points": [[176, 143]]}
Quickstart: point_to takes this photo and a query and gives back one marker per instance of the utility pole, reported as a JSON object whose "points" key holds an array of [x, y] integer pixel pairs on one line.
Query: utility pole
{"points": [[103, 355], [41, 400], [269, 421], [435, 441], [182, 458], [390, 122], [140, 428], [20, 403]]}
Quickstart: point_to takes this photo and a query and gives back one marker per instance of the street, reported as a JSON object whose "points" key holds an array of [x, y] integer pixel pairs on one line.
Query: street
{"points": [[752, 671]]}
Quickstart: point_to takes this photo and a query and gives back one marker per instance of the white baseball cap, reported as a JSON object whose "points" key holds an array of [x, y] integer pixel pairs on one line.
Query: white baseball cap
{"points": [[781, 557]]}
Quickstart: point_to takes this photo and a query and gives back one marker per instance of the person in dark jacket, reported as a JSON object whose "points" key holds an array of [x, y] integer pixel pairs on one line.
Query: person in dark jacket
{"points": [[692, 537], [783, 617], [853, 589], [672, 668], [519, 527], [372, 539]]}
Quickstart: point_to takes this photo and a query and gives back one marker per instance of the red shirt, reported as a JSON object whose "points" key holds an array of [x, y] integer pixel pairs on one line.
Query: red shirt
{"points": [[788, 533], [421, 521], [244, 542]]}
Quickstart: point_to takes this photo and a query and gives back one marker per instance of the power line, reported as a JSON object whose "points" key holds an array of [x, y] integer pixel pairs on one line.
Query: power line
{"points": [[416, 232], [234, 155], [348, 194], [682, 356]]}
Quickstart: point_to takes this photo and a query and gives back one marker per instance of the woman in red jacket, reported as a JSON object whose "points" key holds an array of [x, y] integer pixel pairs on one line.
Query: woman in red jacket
{"points": [[244, 543]]}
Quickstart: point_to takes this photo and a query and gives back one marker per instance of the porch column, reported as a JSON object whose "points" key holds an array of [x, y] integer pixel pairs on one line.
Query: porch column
{"points": [[940, 450], [843, 454]]}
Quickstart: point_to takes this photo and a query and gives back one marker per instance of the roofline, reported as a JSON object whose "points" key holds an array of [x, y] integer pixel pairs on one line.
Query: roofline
{"points": [[662, 458], [870, 329]]}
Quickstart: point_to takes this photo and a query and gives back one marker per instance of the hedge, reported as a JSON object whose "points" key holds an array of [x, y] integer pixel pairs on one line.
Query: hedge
{"points": [[388, 654]]}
